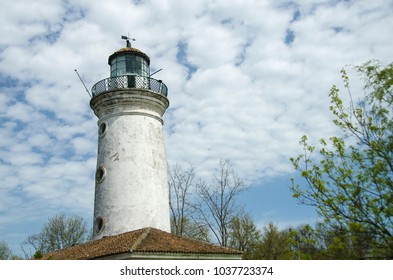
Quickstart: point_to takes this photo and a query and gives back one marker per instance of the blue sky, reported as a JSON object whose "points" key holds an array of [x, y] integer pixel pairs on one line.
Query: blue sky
{"points": [[246, 79]]}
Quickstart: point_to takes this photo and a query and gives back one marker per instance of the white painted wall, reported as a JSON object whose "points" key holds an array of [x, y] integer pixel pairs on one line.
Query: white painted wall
{"points": [[134, 191]]}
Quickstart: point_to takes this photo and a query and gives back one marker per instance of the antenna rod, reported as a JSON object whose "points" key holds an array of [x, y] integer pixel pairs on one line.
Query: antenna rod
{"points": [[155, 72], [83, 83]]}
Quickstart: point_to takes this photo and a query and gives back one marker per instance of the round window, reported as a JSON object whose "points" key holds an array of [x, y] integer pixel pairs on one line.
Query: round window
{"points": [[99, 224], [100, 174], [102, 129]]}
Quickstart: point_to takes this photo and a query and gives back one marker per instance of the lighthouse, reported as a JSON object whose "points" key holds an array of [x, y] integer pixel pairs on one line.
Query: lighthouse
{"points": [[131, 203], [131, 188]]}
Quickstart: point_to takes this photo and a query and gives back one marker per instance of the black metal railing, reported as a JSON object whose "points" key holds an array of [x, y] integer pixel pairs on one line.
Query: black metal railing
{"points": [[129, 81]]}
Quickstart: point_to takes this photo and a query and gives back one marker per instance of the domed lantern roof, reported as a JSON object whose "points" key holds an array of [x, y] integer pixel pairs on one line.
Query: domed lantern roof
{"points": [[129, 50]]}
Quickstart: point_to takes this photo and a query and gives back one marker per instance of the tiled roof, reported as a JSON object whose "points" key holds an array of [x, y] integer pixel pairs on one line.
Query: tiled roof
{"points": [[129, 50], [146, 240]]}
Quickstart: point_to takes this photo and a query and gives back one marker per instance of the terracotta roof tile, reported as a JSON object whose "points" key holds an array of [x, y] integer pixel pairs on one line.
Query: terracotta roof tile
{"points": [[146, 240]]}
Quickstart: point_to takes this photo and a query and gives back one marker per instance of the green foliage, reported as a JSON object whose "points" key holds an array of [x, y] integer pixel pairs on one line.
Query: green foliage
{"points": [[244, 235], [350, 179], [304, 243], [327, 242], [273, 245], [37, 255]]}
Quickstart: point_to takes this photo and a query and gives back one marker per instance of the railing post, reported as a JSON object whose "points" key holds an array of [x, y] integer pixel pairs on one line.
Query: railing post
{"points": [[159, 86]]}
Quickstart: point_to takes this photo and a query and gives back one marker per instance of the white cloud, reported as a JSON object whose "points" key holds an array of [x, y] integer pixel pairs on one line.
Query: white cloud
{"points": [[83, 146]]}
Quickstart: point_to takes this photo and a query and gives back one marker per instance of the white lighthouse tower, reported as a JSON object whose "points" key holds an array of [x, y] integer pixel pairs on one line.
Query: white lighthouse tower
{"points": [[131, 190]]}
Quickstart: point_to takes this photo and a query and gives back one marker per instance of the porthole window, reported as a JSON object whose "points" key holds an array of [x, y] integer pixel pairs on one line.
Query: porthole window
{"points": [[100, 174], [99, 224], [102, 129]]}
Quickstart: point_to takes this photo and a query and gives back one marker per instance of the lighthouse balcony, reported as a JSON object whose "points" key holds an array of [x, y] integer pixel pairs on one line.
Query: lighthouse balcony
{"points": [[129, 81]]}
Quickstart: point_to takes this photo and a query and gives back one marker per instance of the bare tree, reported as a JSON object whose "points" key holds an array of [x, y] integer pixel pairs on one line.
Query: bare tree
{"points": [[5, 251], [181, 187], [217, 201], [58, 233]]}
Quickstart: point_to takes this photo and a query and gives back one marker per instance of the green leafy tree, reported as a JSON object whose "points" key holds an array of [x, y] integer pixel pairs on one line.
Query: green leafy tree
{"points": [[307, 243], [58, 233], [273, 245], [244, 235], [349, 179], [338, 243]]}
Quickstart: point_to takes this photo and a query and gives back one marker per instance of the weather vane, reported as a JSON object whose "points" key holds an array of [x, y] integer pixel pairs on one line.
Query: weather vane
{"points": [[127, 38]]}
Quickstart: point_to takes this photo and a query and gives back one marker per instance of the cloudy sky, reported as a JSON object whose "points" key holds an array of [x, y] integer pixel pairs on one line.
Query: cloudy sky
{"points": [[246, 79]]}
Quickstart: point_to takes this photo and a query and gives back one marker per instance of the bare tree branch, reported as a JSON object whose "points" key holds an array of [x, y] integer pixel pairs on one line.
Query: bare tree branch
{"points": [[217, 201]]}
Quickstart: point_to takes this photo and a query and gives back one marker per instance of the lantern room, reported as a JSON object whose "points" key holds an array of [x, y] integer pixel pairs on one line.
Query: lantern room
{"points": [[129, 68], [129, 61]]}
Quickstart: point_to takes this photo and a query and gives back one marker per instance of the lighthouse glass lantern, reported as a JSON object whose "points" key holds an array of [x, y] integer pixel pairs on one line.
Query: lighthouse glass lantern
{"points": [[129, 61], [130, 68]]}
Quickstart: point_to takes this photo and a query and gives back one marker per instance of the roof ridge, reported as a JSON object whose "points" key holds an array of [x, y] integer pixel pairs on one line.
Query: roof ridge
{"points": [[139, 240]]}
